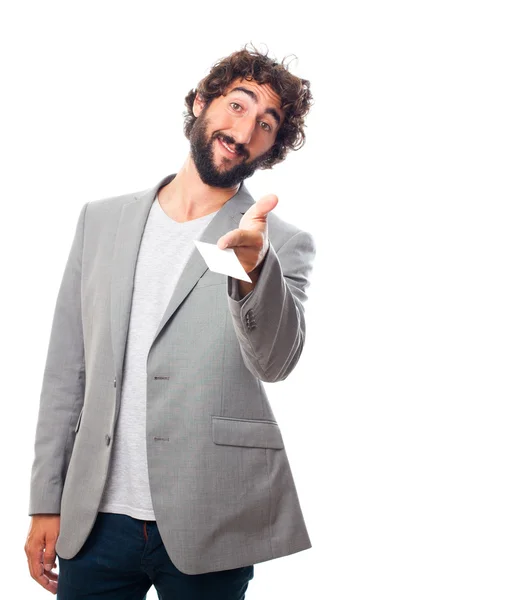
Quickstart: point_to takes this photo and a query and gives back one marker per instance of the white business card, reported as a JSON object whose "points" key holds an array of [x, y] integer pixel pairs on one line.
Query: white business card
{"points": [[222, 261]]}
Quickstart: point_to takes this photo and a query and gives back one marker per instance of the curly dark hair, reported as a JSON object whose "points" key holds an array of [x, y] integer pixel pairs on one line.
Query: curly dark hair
{"points": [[295, 94]]}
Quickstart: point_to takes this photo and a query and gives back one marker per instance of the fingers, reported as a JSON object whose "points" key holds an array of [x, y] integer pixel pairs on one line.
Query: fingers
{"points": [[241, 237], [40, 552], [232, 238], [47, 579]]}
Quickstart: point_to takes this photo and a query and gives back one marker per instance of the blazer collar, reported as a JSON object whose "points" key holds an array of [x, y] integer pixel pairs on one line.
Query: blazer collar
{"points": [[132, 221]]}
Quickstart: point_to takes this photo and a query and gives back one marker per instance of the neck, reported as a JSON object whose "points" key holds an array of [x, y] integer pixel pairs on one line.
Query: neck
{"points": [[186, 197]]}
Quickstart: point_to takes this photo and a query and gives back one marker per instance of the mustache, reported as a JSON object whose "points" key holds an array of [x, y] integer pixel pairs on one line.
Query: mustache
{"points": [[239, 148]]}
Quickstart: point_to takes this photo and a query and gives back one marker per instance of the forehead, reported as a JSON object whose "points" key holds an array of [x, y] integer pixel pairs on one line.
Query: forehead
{"points": [[266, 96]]}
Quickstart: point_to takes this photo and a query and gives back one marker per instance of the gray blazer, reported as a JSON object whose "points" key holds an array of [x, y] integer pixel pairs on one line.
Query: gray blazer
{"points": [[221, 484]]}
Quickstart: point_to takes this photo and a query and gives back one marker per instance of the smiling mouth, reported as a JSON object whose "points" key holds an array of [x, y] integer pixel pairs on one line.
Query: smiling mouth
{"points": [[230, 150]]}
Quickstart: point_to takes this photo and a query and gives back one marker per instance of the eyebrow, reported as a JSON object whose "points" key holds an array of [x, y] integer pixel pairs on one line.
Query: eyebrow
{"points": [[271, 111]]}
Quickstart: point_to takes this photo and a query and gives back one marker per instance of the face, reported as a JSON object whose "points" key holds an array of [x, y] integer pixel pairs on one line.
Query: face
{"points": [[235, 133]]}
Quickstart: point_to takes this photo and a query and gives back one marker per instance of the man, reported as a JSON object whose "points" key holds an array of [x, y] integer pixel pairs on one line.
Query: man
{"points": [[158, 459]]}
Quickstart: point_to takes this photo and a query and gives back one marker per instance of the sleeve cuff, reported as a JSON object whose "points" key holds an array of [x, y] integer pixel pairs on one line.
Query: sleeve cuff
{"points": [[269, 263]]}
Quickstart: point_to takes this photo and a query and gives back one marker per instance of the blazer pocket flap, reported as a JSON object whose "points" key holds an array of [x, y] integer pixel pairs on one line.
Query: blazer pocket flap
{"points": [[239, 432]]}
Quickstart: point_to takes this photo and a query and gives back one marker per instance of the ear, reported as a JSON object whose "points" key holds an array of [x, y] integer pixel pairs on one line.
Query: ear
{"points": [[198, 105]]}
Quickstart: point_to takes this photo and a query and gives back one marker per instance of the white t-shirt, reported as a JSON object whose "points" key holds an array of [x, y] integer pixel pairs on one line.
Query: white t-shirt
{"points": [[165, 249]]}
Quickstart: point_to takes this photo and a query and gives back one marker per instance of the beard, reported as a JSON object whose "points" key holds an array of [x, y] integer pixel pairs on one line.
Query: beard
{"points": [[203, 156]]}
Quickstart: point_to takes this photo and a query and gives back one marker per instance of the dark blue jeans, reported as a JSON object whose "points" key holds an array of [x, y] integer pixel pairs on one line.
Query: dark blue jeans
{"points": [[123, 557]]}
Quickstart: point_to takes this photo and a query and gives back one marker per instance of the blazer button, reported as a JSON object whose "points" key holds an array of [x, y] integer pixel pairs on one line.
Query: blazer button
{"points": [[108, 439], [249, 320]]}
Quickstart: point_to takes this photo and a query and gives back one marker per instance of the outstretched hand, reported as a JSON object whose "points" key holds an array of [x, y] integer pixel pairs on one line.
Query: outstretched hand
{"points": [[250, 240]]}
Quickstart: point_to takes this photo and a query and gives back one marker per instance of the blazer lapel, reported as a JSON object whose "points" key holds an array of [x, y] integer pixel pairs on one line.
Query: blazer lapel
{"points": [[133, 218]]}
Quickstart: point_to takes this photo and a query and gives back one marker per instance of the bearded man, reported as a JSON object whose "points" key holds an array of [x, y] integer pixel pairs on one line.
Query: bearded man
{"points": [[158, 459]]}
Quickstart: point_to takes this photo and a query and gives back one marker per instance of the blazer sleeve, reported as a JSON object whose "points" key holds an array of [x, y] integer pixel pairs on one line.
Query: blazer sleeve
{"points": [[270, 320], [62, 394]]}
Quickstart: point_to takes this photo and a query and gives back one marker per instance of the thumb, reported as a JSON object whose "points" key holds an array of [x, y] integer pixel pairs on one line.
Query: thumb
{"points": [[49, 557], [49, 566], [263, 206]]}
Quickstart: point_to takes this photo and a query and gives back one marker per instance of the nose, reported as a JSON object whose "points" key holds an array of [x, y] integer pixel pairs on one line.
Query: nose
{"points": [[243, 129]]}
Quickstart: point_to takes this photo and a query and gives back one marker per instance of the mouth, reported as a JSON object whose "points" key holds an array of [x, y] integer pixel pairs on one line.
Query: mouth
{"points": [[226, 148]]}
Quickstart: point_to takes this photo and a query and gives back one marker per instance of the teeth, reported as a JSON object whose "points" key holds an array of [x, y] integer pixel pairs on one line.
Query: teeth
{"points": [[226, 146]]}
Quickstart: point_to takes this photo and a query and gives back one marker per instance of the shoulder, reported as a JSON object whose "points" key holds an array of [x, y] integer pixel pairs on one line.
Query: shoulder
{"points": [[112, 203]]}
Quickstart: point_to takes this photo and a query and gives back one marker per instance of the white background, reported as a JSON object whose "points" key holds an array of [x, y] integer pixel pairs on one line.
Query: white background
{"points": [[404, 421]]}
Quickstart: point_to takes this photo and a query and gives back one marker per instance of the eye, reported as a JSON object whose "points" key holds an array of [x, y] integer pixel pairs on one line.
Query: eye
{"points": [[268, 128], [236, 105]]}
